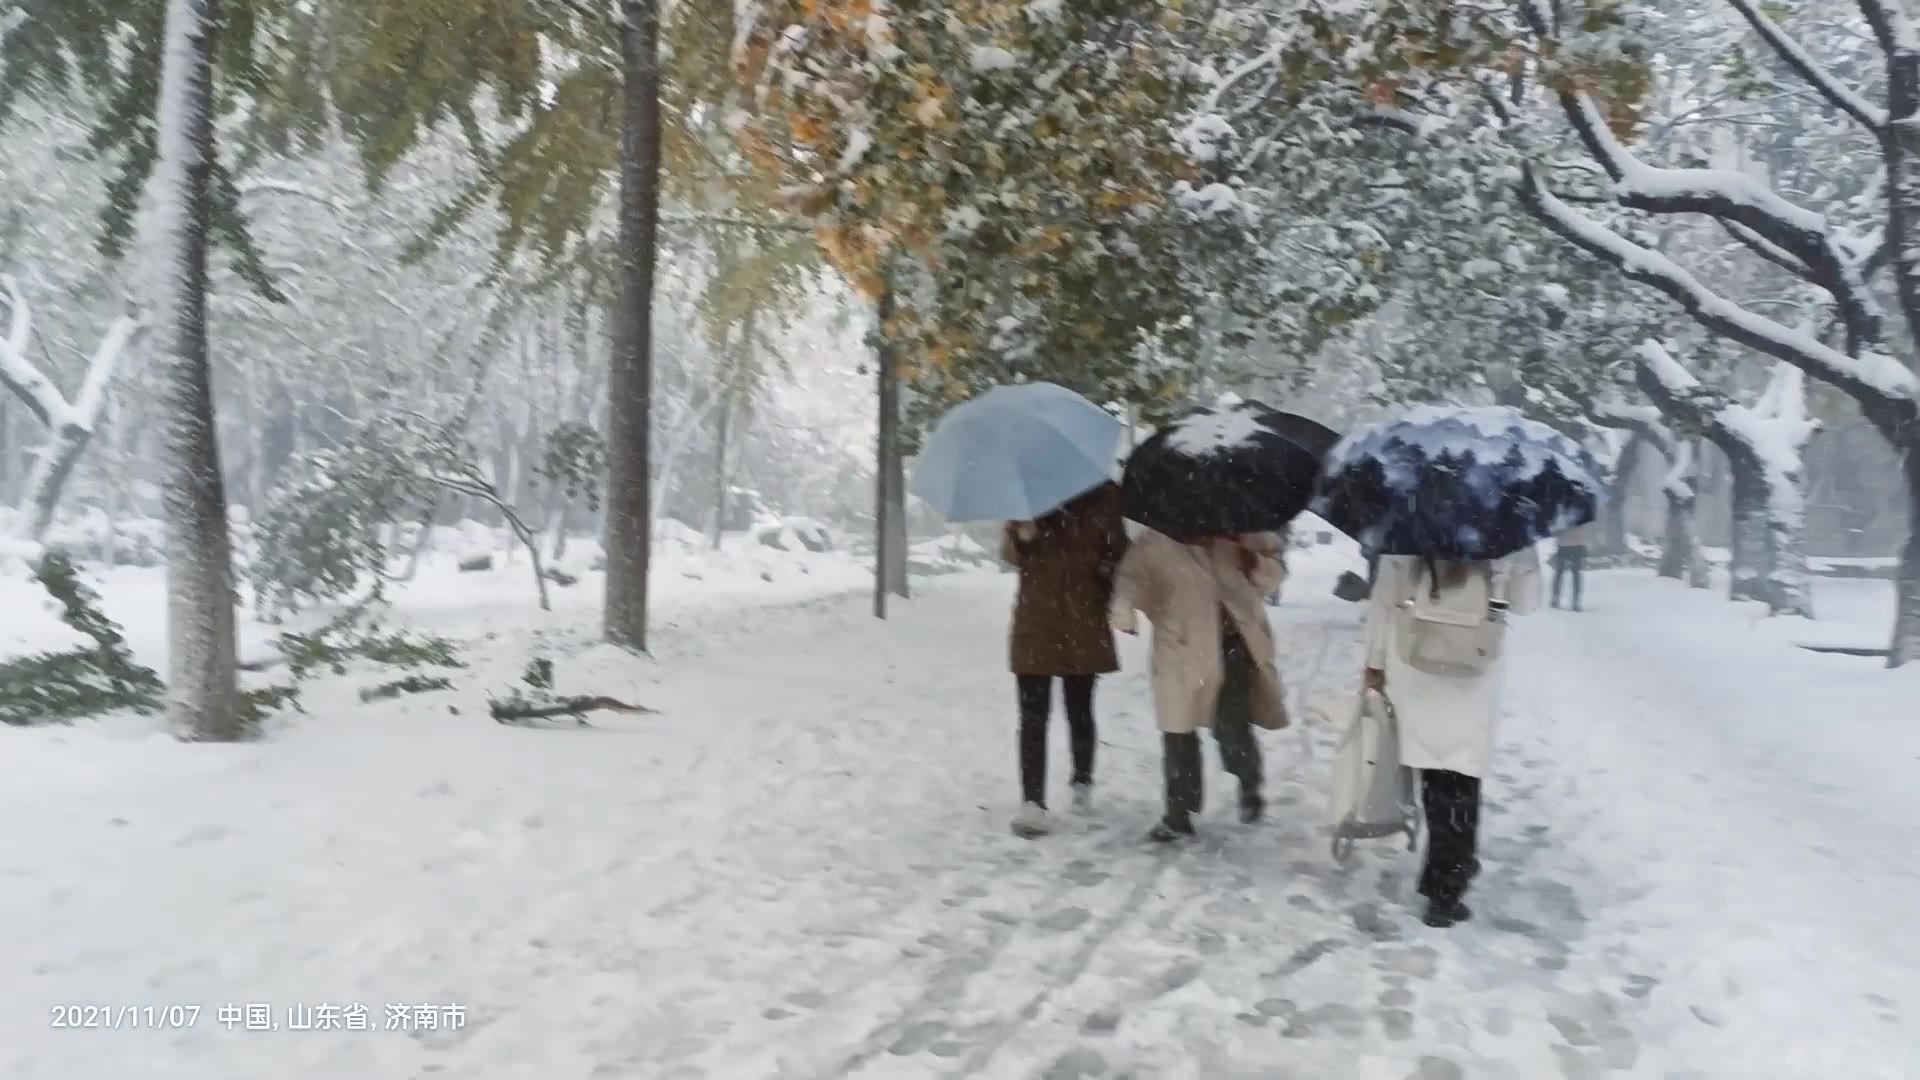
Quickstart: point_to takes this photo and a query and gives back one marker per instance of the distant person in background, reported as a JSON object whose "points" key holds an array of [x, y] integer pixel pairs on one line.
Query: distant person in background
{"points": [[1570, 561], [1066, 562]]}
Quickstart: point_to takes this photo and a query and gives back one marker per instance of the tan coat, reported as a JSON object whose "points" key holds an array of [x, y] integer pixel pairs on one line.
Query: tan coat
{"points": [[1181, 588], [1066, 577]]}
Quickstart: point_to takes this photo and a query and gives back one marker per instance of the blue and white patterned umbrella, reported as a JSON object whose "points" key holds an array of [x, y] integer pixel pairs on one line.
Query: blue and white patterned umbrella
{"points": [[1463, 484], [1016, 453]]}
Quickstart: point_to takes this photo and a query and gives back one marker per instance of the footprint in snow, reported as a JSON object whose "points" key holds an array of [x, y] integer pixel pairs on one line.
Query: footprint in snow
{"points": [[1343, 1020], [917, 1038], [1304, 957], [1370, 921], [1082, 873], [1080, 1063], [1175, 977], [1065, 919], [1419, 961], [203, 834], [1437, 1068]]}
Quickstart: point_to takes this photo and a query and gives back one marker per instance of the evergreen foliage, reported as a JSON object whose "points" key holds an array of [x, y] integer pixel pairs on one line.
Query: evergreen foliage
{"points": [[88, 681]]}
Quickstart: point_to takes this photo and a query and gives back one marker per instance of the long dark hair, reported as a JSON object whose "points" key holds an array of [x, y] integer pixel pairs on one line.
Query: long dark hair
{"points": [[1061, 521], [1447, 574]]}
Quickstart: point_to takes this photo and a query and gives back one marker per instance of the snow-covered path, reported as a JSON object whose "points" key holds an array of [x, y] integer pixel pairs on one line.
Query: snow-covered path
{"points": [[1699, 855]]}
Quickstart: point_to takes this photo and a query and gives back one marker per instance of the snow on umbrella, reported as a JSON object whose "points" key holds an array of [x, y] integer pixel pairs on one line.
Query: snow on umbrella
{"points": [[1240, 469], [1458, 483], [1016, 453]]}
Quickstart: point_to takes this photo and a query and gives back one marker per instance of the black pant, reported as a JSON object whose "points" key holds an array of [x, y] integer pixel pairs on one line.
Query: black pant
{"points": [[1452, 802], [1232, 731], [1569, 560], [1036, 702]]}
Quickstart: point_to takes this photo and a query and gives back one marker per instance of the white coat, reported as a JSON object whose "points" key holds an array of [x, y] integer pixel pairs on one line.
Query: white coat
{"points": [[1445, 722], [1182, 589]]}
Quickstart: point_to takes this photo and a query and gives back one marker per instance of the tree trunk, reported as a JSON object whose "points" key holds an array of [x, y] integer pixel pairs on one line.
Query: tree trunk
{"points": [[1905, 646], [1789, 584], [1902, 135], [202, 692], [47, 480], [889, 511], [1677, 552], [720, 472], [6, 453], [1699, 573], [1613, 515], [629, 502], [1749, 527], [110, 509]]}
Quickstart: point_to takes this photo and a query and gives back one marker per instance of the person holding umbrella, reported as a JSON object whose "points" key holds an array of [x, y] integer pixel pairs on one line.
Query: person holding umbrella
{"points": [[1066, 561], [1040, 458], [1455, 502], [1215, 493], [1448, 709], [1213, 658]]}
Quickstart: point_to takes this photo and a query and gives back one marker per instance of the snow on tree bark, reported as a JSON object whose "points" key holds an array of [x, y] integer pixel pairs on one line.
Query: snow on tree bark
{"points": [[1680, 545], [629, 504], [1905, 647], [1748, 567], [1612, 532], [1887, 392], [1680, 551], [1764, 444], [1902, 148], [202, 690], [70, 424]]}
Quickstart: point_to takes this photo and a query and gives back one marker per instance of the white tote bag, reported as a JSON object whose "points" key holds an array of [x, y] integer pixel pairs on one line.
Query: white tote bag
{"points": [[1372, 793]]}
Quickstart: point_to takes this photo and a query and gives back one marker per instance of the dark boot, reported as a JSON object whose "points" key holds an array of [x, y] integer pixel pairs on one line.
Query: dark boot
{"points": [[1452, 804], [1442, 915], [1181, 762], [1233, 722]]}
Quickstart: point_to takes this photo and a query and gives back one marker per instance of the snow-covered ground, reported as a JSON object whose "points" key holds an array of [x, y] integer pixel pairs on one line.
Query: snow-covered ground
{"points": [[1700, 863]]}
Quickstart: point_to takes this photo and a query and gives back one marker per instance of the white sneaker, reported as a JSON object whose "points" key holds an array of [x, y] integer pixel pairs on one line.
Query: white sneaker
{"points": [[1031, 822], [1082, 798]]}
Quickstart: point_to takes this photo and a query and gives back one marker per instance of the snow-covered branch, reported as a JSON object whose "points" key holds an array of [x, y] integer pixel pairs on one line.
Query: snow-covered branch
{"points": [[35, 390], [1838, 94], [1768, 250], [1873, 378], [69, 424], [19, 374], [1730, 196], [1889, 22], [1766, 443], [1643, 420]]}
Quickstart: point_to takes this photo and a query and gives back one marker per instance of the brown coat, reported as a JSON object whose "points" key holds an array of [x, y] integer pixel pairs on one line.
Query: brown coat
{"points": [[1182, 589], [1066, 575]]}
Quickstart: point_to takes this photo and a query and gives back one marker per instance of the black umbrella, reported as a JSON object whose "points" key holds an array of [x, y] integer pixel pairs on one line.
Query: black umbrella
{"points": [[1216, 472], [1459, 484]]}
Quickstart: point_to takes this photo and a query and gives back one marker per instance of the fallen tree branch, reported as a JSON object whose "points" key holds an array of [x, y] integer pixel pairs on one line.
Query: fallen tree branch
{"points": [[517, 707]]}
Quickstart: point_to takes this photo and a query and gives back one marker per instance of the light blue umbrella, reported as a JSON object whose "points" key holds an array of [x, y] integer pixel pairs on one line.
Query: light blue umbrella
{"points": [[1015, 453]]}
